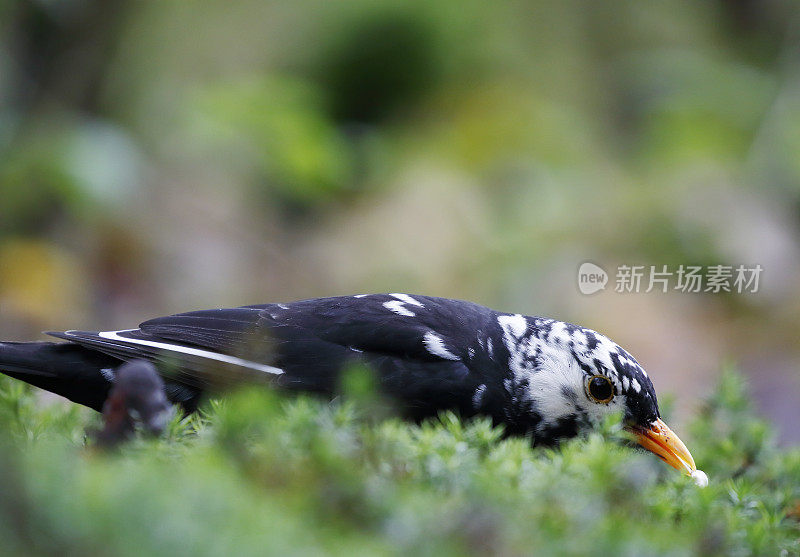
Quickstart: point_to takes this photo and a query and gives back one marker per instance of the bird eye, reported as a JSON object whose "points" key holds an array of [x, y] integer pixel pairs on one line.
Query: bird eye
{"points": [[600, 389]]}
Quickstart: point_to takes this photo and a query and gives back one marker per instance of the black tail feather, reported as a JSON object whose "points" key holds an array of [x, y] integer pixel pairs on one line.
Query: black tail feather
{"points": [[66, 369]]}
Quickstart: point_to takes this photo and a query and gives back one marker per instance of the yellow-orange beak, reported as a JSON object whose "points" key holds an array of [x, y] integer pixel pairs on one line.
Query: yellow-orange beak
{"points": [[661, 441]]}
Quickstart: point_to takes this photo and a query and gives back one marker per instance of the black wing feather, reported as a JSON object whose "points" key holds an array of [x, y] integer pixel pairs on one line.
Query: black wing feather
{"points": [[310, 341], [227, 330], [361, 323]]}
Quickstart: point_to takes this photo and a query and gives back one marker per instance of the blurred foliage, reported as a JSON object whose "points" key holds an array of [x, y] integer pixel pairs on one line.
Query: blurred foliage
{"points": [[295, 147], [257, 473], [159, 156], [523, 122]]}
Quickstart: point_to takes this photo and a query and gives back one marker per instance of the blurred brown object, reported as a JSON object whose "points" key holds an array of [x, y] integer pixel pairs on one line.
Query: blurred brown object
{"points": [[137, 396]]}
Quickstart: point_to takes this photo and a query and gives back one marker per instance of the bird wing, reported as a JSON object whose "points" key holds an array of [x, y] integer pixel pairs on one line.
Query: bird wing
{"points": [[306, 343]]}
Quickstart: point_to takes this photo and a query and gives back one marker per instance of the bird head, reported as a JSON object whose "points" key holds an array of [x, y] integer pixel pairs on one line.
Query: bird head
{"points": [[571, 378]]}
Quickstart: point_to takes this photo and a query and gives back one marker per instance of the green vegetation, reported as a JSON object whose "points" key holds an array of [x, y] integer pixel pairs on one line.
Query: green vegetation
{"points": [[159, 157], [258, 473]]}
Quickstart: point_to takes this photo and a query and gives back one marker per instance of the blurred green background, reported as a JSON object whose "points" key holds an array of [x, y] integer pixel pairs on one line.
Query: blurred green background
{"points": [[158, 157]]}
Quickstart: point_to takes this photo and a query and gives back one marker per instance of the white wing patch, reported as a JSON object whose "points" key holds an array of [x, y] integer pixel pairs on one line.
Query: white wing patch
{"points": [[407, 299], [435, 346], [398, 306], [114, 335], [477, 397]]}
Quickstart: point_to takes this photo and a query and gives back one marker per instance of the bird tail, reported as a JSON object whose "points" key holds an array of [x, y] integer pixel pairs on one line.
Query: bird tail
{"points": [[66, 369]]}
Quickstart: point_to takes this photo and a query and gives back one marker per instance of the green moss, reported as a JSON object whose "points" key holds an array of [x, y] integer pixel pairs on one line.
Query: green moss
{"points": [[257, 473]]}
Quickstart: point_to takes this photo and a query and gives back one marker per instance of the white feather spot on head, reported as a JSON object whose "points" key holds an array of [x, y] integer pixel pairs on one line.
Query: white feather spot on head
{"points": [[636, 386], [579, 339], [436, 346], [559, 333], [108, 374], [547, 368], [557, 372], [515, 325]]}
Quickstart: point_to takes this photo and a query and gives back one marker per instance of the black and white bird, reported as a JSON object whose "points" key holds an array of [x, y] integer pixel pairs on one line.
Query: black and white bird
{"points": [[536, 376]]}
